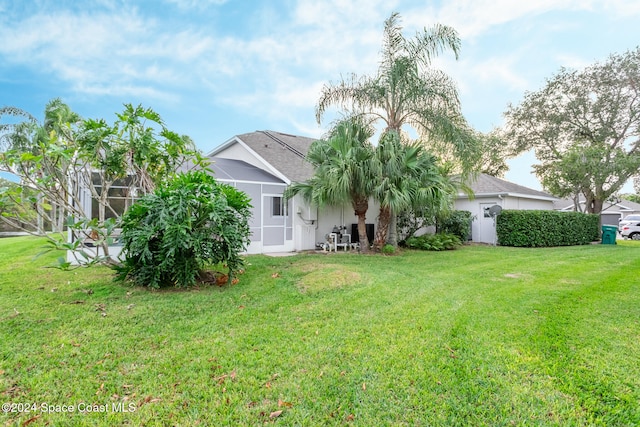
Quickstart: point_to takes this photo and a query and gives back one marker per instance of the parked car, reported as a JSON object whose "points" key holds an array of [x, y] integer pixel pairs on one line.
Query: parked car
{"points": [[631, 231], [628, 220]]}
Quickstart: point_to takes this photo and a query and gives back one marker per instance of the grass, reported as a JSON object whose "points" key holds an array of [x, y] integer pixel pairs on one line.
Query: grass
{"points": [[482, 336]]}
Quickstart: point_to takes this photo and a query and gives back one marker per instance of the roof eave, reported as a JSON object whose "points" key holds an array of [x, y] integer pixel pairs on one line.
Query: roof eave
{"points": [[507, 194], [223, 146]]}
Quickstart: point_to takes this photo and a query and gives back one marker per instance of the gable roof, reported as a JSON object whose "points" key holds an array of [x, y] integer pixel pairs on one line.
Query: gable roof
{"points": [[237, 170], [233, 170], [284, 154], [487, 185]]}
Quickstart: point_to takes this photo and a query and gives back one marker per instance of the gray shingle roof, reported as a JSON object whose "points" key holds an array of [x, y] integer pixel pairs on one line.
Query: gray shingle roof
{"points": [[486, 184], [283, 151]]}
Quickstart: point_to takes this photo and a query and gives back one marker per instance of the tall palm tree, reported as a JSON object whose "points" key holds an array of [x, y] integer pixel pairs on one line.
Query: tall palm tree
{"points": [[344, 171], [407, 91]]}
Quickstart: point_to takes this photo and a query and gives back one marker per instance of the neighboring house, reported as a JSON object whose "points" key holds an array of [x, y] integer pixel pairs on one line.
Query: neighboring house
{"points": [[612, 211], [263, 164], [490, 191]]}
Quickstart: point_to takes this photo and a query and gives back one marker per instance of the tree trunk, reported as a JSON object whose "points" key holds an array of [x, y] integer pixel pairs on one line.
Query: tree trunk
{"points": [[360, 206], [392, 234], [383, 226], [61, 218], [593, 204], [576, 202], [40, 215]]}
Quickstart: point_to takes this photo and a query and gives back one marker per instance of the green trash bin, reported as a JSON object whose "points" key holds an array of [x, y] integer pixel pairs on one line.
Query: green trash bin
{"points": [[609, 233]]}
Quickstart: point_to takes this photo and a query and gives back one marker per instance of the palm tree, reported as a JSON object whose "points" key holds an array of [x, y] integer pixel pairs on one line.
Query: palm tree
{"points": [[344, 171], [407, 91], [410, 179]]}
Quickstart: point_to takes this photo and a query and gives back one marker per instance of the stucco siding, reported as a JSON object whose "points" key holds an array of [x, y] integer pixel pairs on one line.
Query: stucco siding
{"points": [[344, 215], [518, 203]]}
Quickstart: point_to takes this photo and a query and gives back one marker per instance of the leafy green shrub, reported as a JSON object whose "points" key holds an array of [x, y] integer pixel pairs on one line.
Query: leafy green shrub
{"points": [[433, 242], [192, 221], [388, 249], [458, 223], [546, 228]]}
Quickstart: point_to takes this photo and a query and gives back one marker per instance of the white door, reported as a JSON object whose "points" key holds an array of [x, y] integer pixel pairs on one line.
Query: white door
{"points": [[487, 224]]}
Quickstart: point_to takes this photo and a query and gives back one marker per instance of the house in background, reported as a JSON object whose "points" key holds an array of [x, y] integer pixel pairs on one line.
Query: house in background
{"points": [[490, 191], [263, 164], [612, 211]]}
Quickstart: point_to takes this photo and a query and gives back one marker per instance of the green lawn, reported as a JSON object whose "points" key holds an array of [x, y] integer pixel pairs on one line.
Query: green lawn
{"points": [[478, 336]]}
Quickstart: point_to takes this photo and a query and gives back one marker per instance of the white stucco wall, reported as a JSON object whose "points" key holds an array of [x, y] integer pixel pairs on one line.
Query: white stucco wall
{"points": [[518, 203], [307, 234]]}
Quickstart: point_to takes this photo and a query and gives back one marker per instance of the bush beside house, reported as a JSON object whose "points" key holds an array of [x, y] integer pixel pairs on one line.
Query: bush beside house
{"points": [[186, 225], [433, 242], [537, 228], [458, 223]]}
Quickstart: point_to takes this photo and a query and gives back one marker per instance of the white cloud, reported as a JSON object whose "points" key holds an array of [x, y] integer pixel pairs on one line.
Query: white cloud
{"points": [[125, 49], [473, 17], [195, 4], [497, 69], [622, 8], [272, 70], [93, 52], [129, 91]]}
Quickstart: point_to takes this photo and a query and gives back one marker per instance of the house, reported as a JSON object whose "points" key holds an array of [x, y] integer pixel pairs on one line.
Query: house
{"points": [[278, 159], [263, 164], [490, 191], [612, 210]]}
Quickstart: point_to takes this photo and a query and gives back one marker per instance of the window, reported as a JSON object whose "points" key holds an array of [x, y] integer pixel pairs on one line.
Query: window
{"points": [[121, 195], [277, 206]]}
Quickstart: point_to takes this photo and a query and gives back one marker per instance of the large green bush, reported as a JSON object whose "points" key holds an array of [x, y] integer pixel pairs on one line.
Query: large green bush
{"points": [[546, 228], [169, 236], [458, 223]]}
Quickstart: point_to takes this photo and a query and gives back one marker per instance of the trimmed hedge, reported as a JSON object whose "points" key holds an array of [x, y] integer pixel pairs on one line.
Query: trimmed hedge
{"points": [[546, 228]]}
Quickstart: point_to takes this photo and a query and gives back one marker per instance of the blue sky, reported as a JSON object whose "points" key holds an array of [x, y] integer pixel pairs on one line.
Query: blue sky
{"points": [[217, 68]]}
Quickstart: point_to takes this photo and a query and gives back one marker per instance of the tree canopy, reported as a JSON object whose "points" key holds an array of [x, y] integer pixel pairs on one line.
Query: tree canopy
{"points": [[345, 171], [407, 91], [584, 126], [410, 179], [84, 173]]}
